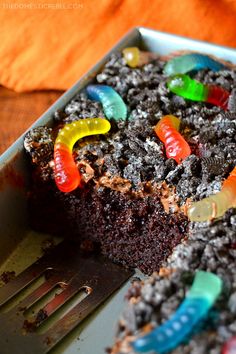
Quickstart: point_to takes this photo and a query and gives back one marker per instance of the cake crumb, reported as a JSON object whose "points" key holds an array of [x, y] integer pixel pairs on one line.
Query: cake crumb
{"points": [[7, 276]]}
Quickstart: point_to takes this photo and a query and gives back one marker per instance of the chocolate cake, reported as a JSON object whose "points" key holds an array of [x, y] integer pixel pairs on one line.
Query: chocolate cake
{"points": [[132, 206]]}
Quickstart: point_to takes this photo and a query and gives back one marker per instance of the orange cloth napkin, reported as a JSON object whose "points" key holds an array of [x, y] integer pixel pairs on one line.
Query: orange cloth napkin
{"points": [[50, 44]]}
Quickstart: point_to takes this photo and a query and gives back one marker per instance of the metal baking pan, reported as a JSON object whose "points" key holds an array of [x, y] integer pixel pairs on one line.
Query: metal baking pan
{"points": [[20, 246]]}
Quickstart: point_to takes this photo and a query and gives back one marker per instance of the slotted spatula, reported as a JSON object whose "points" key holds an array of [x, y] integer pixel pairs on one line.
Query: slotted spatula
{"points": [[72, 271]]}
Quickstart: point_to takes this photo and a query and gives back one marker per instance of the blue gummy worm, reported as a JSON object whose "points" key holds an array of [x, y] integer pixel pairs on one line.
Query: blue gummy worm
{"points": [[169, 335], [200, 298], [112, 103], [188, 62]]}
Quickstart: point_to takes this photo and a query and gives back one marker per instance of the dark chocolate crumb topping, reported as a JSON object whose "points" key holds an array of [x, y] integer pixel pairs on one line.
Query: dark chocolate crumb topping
{"points": [[132, 149]]}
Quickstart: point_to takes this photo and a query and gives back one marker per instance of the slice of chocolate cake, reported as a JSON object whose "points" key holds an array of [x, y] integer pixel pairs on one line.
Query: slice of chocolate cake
{"points": [[134, 222]]}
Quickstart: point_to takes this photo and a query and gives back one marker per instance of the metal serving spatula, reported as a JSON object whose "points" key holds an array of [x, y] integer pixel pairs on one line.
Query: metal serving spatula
{"points": [[70, 271]]}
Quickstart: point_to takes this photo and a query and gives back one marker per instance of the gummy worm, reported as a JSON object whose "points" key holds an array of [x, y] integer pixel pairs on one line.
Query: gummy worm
{"points": [[112, 103], [188, 62], [200, 298], [215, 205], [186, 87], [134, 57], [230, 347], [167, 130], [67, 175]]}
